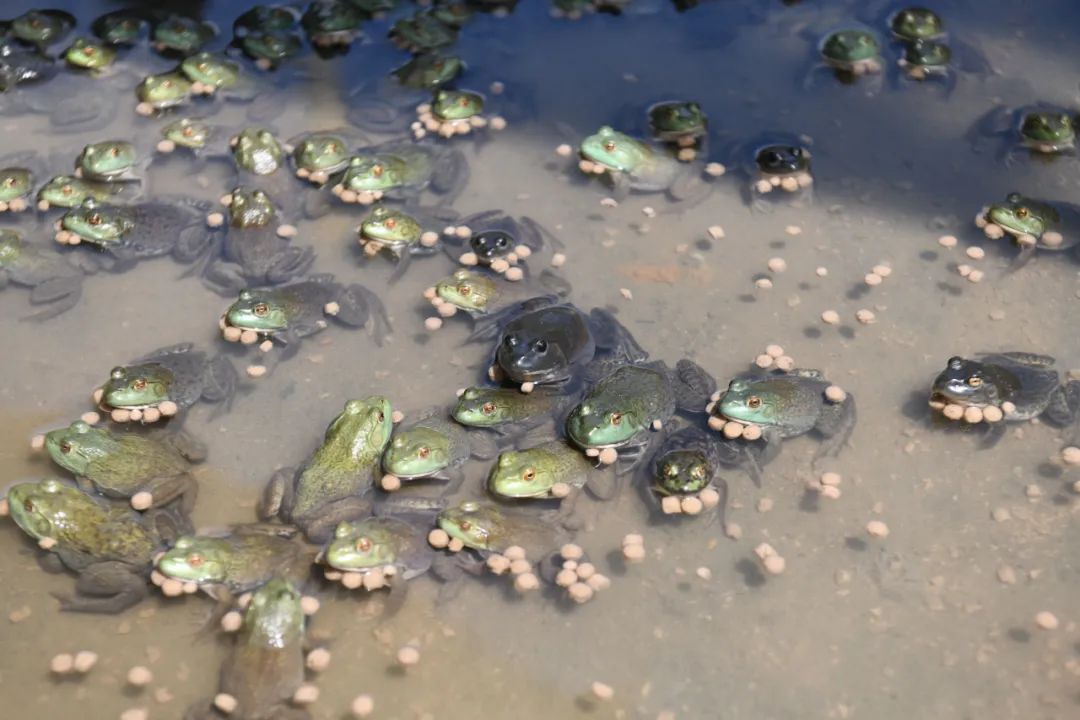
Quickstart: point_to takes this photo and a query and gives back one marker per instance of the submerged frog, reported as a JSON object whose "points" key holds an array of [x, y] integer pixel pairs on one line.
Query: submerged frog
{"points": [[629, 404], [191, 134], [500, 241], [488, 528], [120, 27], [93, 57], [1041, 131], [51, 279], [148, 470], [402, 234], [245, 559], [681, 122], [166, 382], [1022, 386], [212, 74], [266, 666], [257, 151], [487, 296], [109, 547], [453, 112], [429, 71], [402, 172], [255, 249], [388, 105], [333, 484], [289, 313], [926, 59], [1032, 224], [774, 164], [434, 448], [422, 32], [551, 470], [270, 49], [851, 52], [181, 35], [788, 404], [20, 66], [266, 18], [916, 23], [130, 233], [633, 165]]}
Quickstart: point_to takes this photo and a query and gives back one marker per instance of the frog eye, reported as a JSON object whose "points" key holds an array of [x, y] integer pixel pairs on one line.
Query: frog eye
{"points": [[465, 290], [510, 341], [332, 147], [488, 408], [139, 384], [202, 66], [616, 418], [195, 560], [955, 363], [796, 152], [540, 346], [465, 525], [94, 219], [381, 416], [65, 447], [66, 190], [974, 381], [377, 170], [697, 472], [390, 223], [363, 544], [261, 309], [463, 102], [1021, 212], [529, 475], [188, 132], [423, 453], [670, 469], [9, 182], [753, 401], [609, 145], [28, 505], [115, 151]]}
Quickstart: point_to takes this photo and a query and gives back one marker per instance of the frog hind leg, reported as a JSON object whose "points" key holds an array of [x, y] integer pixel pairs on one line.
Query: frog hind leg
{"points": [[357, 305], [835, 425], [165, 490], [60, 294], [1064, 407], [219, 381], [450, 174], [106, 588], [1026, 358], [693, 386]]}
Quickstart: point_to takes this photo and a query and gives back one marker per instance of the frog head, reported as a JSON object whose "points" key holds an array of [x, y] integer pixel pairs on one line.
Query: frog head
{"points": [[138, 386], [471, 522], [522, 474], [753, 402], [677, 117], [75, 447], [360, 546], [782, 159], [257, 151], [602, 422], [468, 290], [196, 559], [614, 150], [39, 508], [456, 104], [184, 35], [107, 159], [259, 310], [1047, 127], [97, 223], [967, 382], [15, 182], [189, 133], [682, 472], [250, 208], [372, 173], [848, 47], [417, 452], [210, 69], [164, 90], [1019, 215], [916, 23], [89, 55], [391, 227], [325, 152]]}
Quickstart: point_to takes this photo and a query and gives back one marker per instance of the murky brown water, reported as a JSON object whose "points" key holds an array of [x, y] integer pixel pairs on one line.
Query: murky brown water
{"points": [[917, 624]]}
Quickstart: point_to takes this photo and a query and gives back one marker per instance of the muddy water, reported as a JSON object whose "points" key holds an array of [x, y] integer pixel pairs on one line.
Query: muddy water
{"points": [[916, 624]]}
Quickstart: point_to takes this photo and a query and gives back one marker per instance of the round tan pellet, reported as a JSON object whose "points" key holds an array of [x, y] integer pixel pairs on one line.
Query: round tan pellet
{"points": [[1071, 455], [408, 655], [318, 660], [947, 241], [571, 551], [670, 505], [139, 676], [580, 592], [872, 279], [1046, 620], [973, 415], [751, 432], [691, 505], [733, 430], [602, 691], [62, 664], [878, 529], [709, 497], [84, 662], [634, 553], [362, 706], [830, 317], [774, 564], [953, 412], [526, 582]]}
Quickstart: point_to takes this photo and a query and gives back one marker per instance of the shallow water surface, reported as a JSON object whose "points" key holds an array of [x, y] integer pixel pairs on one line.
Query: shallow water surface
{"points": [[915, 624]]}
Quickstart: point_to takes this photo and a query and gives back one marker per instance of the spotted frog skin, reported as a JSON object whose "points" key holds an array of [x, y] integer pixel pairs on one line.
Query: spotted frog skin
{"points": [[333, 484], [109, 547]]}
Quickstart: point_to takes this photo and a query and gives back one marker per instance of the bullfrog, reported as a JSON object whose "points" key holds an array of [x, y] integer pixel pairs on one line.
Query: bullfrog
{"points": [[402, 234], [786, 404], [376, 543], [181, 35], [244, 559], [453, 112], [434, 448], [266, 18], [686, 465], [916, 23], [319, 156], [400, 171], [41, 28], [269, 49], [500, 241], [109, 160], [486, 296], [68, 191], [211, 74], [120, 27], [542, 341], [422, 32], [191, 134], [681, 122], [166, 382], [631, 403], [455, 13], [1023, 385], [109, 547], [18, 174], [488, 528], [508, 411], [93, 57], [633, 165], [333, 483], [774, 164], [51, 279], [127, 234], [928, 59], [289, 313], [550, 470], [148, 470], [1032, 224], [20, 66], [257, 151], [851, 52], [265, 668], [255, 248], [388, 105], [331, 23], [163, 91], [1041, 131]]}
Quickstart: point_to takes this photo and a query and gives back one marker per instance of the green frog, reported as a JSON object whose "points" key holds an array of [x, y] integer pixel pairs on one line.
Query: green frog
{"points": [[1041, 131], [270, 49], [110, 548], [434, 448], [553, 469], [333, 484], [378, 543], [109, 160], [41, 28], [148, 470], [1032, 224], [508, 411], [120, 27], [164, 91], [52, 280], [178, 35], [68, 191], [422, 32], [400, 171], [332, 23], [632, 165]]}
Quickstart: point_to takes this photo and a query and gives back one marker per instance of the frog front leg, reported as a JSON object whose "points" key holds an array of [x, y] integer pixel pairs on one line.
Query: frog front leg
{"points": [[277, 497], [835, 424], [105, 587]]}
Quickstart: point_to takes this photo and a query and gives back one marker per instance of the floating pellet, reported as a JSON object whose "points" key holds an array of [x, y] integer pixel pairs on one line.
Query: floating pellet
{"points": [[830, 317], [947, 241], [876, 528], [1071, 455], [526, 582], [1046, 620], [602, 691], [62, 664], [580, 592], [362, 706], [872, 279], [139, 676], [318, 660], [670, 505], [84, 662], [455, 545], [438, 538]]}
